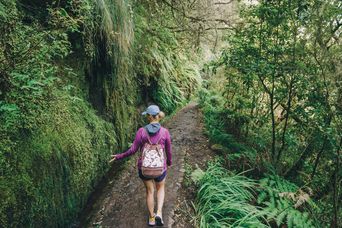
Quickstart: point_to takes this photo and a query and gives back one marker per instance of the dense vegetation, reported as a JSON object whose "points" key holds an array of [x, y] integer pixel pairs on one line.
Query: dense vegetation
{"points": [[73, 76], [273, 106], [226, 199]]}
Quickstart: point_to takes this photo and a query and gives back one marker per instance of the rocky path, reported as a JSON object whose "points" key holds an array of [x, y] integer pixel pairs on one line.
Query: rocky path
{"points": [[121, 201]]}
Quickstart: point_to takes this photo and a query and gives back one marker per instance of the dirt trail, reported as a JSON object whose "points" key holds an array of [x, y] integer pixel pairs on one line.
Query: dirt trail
{"points": [[121, 202]]}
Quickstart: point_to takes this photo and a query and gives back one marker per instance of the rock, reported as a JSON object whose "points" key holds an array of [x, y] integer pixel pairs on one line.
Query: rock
{"points": [[217, 148], [97, 223]]}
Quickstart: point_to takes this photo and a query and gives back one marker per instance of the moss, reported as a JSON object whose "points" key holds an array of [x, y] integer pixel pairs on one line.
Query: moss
{"points": [[73, 101], [54, 176], [166, 75]]}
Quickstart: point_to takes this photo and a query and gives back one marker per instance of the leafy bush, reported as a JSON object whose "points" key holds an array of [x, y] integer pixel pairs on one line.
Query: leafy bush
{"points": [[226, 199], [217, 121], [167, 74], [223, 200], [281, 201]]}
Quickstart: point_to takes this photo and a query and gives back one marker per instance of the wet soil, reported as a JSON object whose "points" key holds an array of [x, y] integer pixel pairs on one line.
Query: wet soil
{"points": [[119, 201]]}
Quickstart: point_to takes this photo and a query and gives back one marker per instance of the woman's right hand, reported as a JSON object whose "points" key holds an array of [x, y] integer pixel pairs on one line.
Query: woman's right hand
{"points": [[113, 156]]}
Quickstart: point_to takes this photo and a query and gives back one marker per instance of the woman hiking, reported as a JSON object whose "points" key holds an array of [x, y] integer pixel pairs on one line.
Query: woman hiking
{"points": [[153, 135]]}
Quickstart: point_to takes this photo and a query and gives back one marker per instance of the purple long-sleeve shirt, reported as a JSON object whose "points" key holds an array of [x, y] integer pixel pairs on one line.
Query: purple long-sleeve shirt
{"points": [[140, 140]]}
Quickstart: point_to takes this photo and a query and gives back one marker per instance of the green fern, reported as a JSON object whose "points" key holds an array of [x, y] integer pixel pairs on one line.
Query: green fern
{"points": [[278, 198]]}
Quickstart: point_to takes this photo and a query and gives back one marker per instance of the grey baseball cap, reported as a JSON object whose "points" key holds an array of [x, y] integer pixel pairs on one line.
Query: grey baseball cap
{"points": [[152, 110]]}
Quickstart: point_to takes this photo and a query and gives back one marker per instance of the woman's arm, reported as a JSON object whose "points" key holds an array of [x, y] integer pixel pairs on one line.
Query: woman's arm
{"points": [[134, 148], [168, 148]]}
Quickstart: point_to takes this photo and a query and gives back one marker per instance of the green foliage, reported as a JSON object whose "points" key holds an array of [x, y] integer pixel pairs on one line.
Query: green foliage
{"points": [[50, 180], [277, 90], [54, 147], [274, 79], [223, 200], [69, 89], [218, 123], [282, 201], [197, 175], [167, 74]]}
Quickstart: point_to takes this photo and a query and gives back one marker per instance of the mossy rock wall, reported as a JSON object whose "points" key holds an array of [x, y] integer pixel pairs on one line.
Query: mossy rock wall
{"points": [[71, 89]]}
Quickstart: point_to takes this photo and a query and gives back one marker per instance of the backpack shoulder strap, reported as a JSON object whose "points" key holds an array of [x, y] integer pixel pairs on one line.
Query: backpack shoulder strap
{"points": [[147, 135], [161, 135]]}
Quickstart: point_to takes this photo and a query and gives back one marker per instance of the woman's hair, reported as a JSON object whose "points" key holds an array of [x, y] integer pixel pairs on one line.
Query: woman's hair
{"points": [[160, 115]]}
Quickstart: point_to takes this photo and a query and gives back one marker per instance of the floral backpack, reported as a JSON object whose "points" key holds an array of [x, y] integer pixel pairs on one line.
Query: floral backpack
{"points": [[153, 157]]}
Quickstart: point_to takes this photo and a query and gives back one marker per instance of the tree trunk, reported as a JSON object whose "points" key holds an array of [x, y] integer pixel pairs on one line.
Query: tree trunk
{"points": [[273, 126], [336, 197], [286, 121], [293, 172], [318, 157], [289, 100]]}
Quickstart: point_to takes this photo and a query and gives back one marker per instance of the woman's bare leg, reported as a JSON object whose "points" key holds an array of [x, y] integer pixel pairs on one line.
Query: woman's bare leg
{"points": [[160, 196], [149, 196]]}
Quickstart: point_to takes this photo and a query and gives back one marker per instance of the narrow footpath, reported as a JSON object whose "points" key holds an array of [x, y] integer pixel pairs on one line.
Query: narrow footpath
{"points": [[121, 202]]}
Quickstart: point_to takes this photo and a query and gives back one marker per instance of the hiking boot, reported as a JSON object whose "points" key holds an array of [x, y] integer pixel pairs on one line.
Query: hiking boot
{"points": [[151, 221]]}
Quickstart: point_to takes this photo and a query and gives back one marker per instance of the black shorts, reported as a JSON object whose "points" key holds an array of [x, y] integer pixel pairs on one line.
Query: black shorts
{"points": [[157, 179]]}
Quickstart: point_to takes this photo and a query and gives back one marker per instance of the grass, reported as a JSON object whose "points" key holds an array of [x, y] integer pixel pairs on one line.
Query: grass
{"points": [[223, 200]]}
